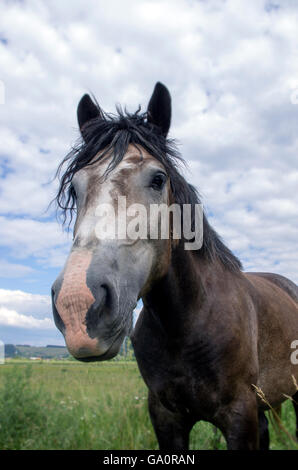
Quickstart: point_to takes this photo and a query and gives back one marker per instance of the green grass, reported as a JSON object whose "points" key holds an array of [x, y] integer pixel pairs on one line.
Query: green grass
{"points": [[69, 405]]}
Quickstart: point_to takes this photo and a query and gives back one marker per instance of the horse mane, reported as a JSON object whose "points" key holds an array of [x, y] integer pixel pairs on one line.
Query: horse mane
{"points": [[112, 133]]}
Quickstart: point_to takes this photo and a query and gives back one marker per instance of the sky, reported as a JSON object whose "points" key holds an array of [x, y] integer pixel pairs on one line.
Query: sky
{"points": [[232, 70]]}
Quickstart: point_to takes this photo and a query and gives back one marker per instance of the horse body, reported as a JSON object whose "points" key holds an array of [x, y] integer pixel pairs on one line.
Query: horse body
{"points": [[277, 314], [199, 356], [208, 333]]}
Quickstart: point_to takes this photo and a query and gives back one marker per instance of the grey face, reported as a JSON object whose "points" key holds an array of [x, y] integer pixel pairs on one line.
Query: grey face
{"points": [[96, 292]]}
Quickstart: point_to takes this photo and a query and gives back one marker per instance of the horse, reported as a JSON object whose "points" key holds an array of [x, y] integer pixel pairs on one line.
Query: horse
{"points": [[209, 333]]}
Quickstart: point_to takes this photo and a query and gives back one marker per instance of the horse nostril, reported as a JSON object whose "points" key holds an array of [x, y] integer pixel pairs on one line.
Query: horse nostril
{"points": [[101, 297], [106, 294], [103, 306]]}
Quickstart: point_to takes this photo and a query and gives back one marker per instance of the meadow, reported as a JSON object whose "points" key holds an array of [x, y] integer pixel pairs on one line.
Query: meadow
{"points": [[69, 405]]}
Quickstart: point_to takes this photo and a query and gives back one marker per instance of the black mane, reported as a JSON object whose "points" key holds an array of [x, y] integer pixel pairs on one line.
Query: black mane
{"points": [[113, 133]]}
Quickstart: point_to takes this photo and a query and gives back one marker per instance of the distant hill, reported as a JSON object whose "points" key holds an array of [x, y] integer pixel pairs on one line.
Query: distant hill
{"points": [[44, 352], [52, 351]]}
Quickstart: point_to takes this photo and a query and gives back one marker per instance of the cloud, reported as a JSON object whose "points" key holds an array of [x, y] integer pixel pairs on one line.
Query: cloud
{"points": [[12, 318], [13, 270], [26, 303], [27, 237], [27, 318], [256, 214]]}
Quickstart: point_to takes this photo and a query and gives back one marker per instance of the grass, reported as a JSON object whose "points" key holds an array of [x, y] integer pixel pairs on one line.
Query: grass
{"points": [[69, 405]]}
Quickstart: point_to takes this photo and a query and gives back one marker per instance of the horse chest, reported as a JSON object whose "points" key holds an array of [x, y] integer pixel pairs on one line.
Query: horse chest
{"points": [[183, 376], [178, 387], [173, 387]]}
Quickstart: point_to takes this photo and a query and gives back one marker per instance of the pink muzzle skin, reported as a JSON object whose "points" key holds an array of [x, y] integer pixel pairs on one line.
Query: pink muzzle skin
{"points": [[73, 302]]}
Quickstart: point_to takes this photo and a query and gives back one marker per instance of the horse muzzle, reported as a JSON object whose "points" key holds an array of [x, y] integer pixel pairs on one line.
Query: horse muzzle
{"points": [[86, 310]]}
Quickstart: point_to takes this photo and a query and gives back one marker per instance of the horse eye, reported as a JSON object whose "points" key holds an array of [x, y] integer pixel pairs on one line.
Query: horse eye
{"points": [[158, 181]]}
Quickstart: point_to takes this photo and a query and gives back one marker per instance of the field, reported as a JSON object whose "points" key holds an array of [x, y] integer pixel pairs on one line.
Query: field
{"points": [[69, 405]]}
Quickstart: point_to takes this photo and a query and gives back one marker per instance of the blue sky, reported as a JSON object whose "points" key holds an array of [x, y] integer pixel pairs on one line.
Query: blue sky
{"points": [[232, 70]]}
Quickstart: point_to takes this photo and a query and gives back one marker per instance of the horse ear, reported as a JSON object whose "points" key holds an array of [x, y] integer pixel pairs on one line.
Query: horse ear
{"points": [[159, 108], [86, 111]]}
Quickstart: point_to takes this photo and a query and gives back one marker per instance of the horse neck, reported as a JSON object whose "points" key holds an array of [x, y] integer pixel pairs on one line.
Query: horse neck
{"points": [[182, 292]]}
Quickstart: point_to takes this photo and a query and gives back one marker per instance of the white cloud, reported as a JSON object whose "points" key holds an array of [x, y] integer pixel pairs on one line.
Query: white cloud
{"points": [[12, 318], [26, 303], [23, 310], [13, 270], [43, 240], [256, 214]]}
